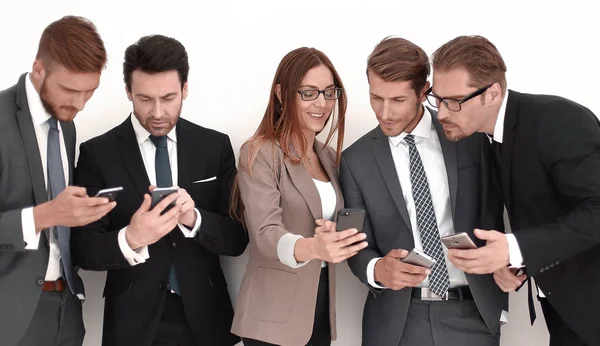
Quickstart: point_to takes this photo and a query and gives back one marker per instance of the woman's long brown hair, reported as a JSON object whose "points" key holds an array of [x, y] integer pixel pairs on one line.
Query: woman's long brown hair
{"points": [[281, 125]]}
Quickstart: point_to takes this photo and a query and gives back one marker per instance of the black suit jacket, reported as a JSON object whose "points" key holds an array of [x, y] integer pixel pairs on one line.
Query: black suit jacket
{"points": [[134, 296], [22, 185], [550, 168], [369, 181]]}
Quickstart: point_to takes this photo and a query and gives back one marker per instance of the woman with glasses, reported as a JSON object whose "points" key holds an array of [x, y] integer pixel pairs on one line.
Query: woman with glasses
{"points": [[287, 194]]}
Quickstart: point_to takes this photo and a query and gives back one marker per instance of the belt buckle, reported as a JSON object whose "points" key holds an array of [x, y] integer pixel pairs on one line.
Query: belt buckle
{"points": [[427, 294]]}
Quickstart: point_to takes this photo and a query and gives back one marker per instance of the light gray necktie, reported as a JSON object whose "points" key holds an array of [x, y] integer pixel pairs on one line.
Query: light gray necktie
{"points": [[56, 184], [439, 281]]}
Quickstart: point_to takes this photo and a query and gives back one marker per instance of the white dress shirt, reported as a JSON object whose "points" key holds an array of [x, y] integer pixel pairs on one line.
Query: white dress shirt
{"points": [[515, 257], [287, 243], [148, 151], [430, 150], [40, 123]]}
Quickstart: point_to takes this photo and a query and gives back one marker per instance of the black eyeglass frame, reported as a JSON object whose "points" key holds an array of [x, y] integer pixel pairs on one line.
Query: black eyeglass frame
{"points": [[338, 93], [458, 102]]}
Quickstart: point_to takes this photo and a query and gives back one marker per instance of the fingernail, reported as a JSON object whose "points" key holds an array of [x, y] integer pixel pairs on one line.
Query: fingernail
{"points": [[428, 271]]}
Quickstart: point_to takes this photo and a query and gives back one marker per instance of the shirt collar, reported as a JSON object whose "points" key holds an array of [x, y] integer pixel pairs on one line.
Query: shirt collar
{"points": [[36, 108], [142, 135], [423, 129], [499, 127]]}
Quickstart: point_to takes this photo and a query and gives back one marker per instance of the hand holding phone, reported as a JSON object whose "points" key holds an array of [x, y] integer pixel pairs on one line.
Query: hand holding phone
{"points": [[147, 227], [394, 273]]}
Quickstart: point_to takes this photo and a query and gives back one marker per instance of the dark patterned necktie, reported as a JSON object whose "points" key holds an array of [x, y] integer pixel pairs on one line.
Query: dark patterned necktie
{"points": [[439, 280]]}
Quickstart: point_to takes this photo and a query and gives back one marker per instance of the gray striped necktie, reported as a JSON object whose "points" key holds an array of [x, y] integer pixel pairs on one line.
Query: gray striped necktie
{"points": [[164, 178], [56, 184], [439, 281]]}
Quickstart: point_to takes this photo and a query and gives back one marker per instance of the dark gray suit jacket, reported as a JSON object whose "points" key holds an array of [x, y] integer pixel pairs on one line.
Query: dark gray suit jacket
{"points": [[369, 180], [21, 185]]}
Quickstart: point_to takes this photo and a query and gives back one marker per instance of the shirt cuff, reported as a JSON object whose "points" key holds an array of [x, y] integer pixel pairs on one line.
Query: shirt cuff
{"points": [[285, 250], [504, 317], [132, 257], [515, 258], [191, 233], [30, 236], [371, 273]]}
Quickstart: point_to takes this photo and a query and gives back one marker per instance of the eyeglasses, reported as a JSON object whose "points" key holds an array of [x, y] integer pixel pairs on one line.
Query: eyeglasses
{"points": [[451, 104], [313, 94]]}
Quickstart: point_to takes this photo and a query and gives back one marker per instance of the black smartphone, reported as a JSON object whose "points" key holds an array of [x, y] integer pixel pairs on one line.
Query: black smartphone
{"points": [[159, 194], [350, 218], [111, 193]]}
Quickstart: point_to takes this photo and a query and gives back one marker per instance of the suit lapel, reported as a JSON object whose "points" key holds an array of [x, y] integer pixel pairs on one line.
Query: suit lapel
{"points": [[306, 187], [331, 171], [508, 138], [185, 149], [449, 153], [30, 144], [132, 157], [385, 161]]}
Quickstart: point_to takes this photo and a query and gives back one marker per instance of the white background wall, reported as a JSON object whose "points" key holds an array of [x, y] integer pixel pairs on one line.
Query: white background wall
{"points": [[234, 48]]}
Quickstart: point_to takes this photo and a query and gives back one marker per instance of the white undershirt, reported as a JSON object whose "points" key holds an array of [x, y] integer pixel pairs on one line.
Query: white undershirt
{"points": [[287, 243]]}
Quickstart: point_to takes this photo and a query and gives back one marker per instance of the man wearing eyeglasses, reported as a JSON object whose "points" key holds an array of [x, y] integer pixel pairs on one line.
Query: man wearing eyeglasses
{"points": [[417, 186], [548, 156]]}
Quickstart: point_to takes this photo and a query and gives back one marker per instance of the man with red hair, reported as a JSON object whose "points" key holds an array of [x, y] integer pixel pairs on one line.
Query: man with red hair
{"points": [[39, 284]]}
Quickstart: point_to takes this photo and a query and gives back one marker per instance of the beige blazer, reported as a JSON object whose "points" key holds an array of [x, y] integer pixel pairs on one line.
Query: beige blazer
{"points": [[276, 303]]}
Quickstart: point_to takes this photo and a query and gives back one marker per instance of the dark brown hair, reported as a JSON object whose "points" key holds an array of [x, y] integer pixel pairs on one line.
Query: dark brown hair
{"points": [[396, 59], [477, 55], [74, 43], [281, 125]]}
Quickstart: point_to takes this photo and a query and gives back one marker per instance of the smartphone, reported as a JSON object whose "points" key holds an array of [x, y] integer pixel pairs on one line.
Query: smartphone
{"points": [[458, 241], [161, 192], [419, 258], [350, 218], [111, 193]]}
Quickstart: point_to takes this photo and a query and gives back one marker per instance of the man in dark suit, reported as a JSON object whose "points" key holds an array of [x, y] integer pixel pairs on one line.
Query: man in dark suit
{"points": [[417, 186], [40, 289], [165, 285], [548, 154]]}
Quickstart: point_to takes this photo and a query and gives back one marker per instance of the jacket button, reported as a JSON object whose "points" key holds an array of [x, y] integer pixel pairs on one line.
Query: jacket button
{"points": [[547, 267], [541, 270], [40, 282], [551, 265], [557, 262], [173, 245]]}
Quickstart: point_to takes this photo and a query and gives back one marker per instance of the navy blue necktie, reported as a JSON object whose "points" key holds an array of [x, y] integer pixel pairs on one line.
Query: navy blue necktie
{"points": [[56, 184], [164, 179]]}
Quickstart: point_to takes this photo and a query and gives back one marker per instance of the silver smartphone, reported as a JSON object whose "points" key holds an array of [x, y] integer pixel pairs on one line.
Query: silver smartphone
{"points": [[419, 258], [111, 193], [458, 241], [160, 193]]}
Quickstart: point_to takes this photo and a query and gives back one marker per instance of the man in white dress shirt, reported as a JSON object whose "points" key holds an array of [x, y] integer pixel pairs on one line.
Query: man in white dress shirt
{"points": [[416, 186], [164, 283], [39, 285]]}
